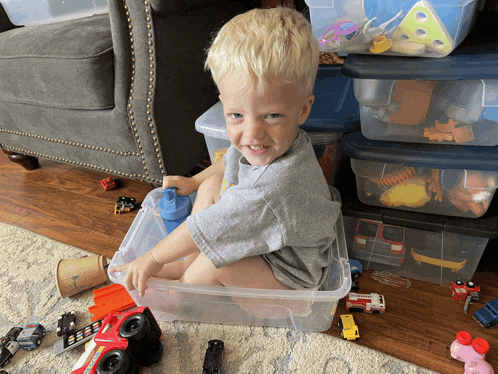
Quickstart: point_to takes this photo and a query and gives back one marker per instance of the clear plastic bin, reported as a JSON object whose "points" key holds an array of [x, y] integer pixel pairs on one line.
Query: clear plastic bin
{"points": [[452, 192], [392, 27], [437, 112], [33, 12], [170, 301], [437, 257]]}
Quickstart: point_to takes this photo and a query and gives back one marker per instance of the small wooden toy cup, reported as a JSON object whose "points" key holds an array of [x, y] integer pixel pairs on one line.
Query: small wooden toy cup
{"points": [[79, 274]]}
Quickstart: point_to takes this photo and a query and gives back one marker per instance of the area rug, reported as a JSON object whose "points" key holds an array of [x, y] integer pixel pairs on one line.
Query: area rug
{"points": [[29, 294]]}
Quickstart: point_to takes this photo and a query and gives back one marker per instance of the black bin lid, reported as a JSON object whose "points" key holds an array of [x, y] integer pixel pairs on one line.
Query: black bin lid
{"points": [[437, 156]]}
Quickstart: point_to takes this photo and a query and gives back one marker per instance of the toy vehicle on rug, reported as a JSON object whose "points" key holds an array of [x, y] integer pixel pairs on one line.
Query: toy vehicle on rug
{"points": [[378, 242], [125, 344], [349, 330], [9, 345], [66, 323], [368, 303], [31, 336], [213, 357]]}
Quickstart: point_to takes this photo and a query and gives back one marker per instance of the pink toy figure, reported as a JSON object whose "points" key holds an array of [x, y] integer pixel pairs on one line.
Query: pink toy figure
{"points": [[472, 353]]}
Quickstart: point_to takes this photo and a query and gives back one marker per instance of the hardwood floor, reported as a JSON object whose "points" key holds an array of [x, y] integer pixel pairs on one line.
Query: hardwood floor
{"points": [[68, 204]]}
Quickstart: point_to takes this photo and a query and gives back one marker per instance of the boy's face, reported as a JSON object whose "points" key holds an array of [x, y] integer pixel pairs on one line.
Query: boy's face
{"points": [[262, 126]]}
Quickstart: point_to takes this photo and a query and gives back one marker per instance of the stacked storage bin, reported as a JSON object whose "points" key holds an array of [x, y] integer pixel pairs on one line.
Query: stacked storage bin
{"points": [[425, 162]]}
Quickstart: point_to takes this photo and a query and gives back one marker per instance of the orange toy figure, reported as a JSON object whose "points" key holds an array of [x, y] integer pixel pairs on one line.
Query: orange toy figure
{"points": [[393, 180], [435, 185], [472, 194], [414, 98]]}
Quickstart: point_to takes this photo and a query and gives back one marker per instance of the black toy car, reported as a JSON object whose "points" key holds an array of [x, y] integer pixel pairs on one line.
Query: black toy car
{"points": [[66, 323], [214, 357], [124, 204], [9, 345]]}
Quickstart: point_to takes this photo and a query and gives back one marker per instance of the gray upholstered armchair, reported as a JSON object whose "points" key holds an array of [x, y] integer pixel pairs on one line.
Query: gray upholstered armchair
{"points": [[116, 92]]}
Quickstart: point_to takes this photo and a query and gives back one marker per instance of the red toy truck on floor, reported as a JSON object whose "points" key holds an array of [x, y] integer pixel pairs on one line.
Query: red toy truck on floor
{"points": [[467, 292], [369, 303], [125, 343]]}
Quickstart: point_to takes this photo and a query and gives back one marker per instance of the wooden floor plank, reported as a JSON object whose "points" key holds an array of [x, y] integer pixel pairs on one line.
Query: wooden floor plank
{"points": [[84, 211], [11, 213]]}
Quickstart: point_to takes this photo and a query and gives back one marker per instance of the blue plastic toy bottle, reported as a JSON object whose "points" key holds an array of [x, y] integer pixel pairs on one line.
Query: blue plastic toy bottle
{"points": [[174, 209]]}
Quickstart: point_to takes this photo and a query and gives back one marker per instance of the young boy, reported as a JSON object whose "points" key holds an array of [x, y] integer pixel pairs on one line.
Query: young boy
{"points": [[263, 216]]}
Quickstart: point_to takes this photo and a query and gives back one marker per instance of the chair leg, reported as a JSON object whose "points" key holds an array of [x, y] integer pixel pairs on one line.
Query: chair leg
{"points": [[27, 162]]}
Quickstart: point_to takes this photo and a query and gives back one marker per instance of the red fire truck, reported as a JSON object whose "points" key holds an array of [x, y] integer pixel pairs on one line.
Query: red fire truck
{"points": [[369, 303], [467, 292]]}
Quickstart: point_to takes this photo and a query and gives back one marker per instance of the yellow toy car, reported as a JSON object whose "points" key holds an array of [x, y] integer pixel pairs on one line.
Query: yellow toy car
{"points": [[348, 327]]}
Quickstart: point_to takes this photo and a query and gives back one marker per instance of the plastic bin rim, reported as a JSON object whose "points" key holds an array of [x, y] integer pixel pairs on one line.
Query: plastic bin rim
{"points": [[253, 292]]}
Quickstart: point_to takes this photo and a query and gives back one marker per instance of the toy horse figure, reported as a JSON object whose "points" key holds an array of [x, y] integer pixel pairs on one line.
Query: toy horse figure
{"points": [[364, 38]]}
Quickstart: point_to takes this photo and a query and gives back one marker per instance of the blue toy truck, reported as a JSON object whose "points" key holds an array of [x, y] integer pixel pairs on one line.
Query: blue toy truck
{"points": [[487, 316], [356, 270]]}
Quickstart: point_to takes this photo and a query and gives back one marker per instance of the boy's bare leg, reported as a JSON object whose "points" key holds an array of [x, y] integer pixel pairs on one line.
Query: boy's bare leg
{"points": [[207, 194], [249, 272]]}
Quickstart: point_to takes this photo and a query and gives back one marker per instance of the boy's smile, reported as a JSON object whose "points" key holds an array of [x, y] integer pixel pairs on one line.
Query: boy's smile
{"points": [[262, 126]]}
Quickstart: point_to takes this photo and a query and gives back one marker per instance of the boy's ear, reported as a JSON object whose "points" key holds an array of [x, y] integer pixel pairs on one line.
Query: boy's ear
{"points": [[305, 110]]}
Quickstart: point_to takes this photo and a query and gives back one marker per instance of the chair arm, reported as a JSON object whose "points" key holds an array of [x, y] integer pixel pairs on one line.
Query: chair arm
{"points": [[160, 82]]}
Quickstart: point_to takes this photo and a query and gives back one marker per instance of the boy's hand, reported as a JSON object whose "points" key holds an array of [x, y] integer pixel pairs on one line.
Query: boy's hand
{"points": [[184, 186], [137, 273]]}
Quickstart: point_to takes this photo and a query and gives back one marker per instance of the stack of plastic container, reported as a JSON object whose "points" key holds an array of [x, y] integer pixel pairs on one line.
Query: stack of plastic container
{"points": [[425, 162]]}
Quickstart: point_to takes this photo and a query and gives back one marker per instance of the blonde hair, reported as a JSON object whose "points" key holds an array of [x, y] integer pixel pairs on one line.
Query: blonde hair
{"points": [[274, 45]]}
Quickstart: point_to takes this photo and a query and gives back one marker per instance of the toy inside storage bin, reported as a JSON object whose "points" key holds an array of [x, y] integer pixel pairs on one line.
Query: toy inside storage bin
{"points": [[417, 247], [33, 12], [451, 181], [170, 301], [439, 112], [392, 27]]}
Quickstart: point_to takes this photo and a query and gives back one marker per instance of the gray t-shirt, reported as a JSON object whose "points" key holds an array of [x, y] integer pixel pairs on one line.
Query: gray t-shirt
{"points": [[281, 211]]}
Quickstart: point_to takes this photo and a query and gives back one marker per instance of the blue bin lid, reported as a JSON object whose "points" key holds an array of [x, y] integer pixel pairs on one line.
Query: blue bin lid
{"points": [[437, 156], [475, 58], [335, 108]]}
